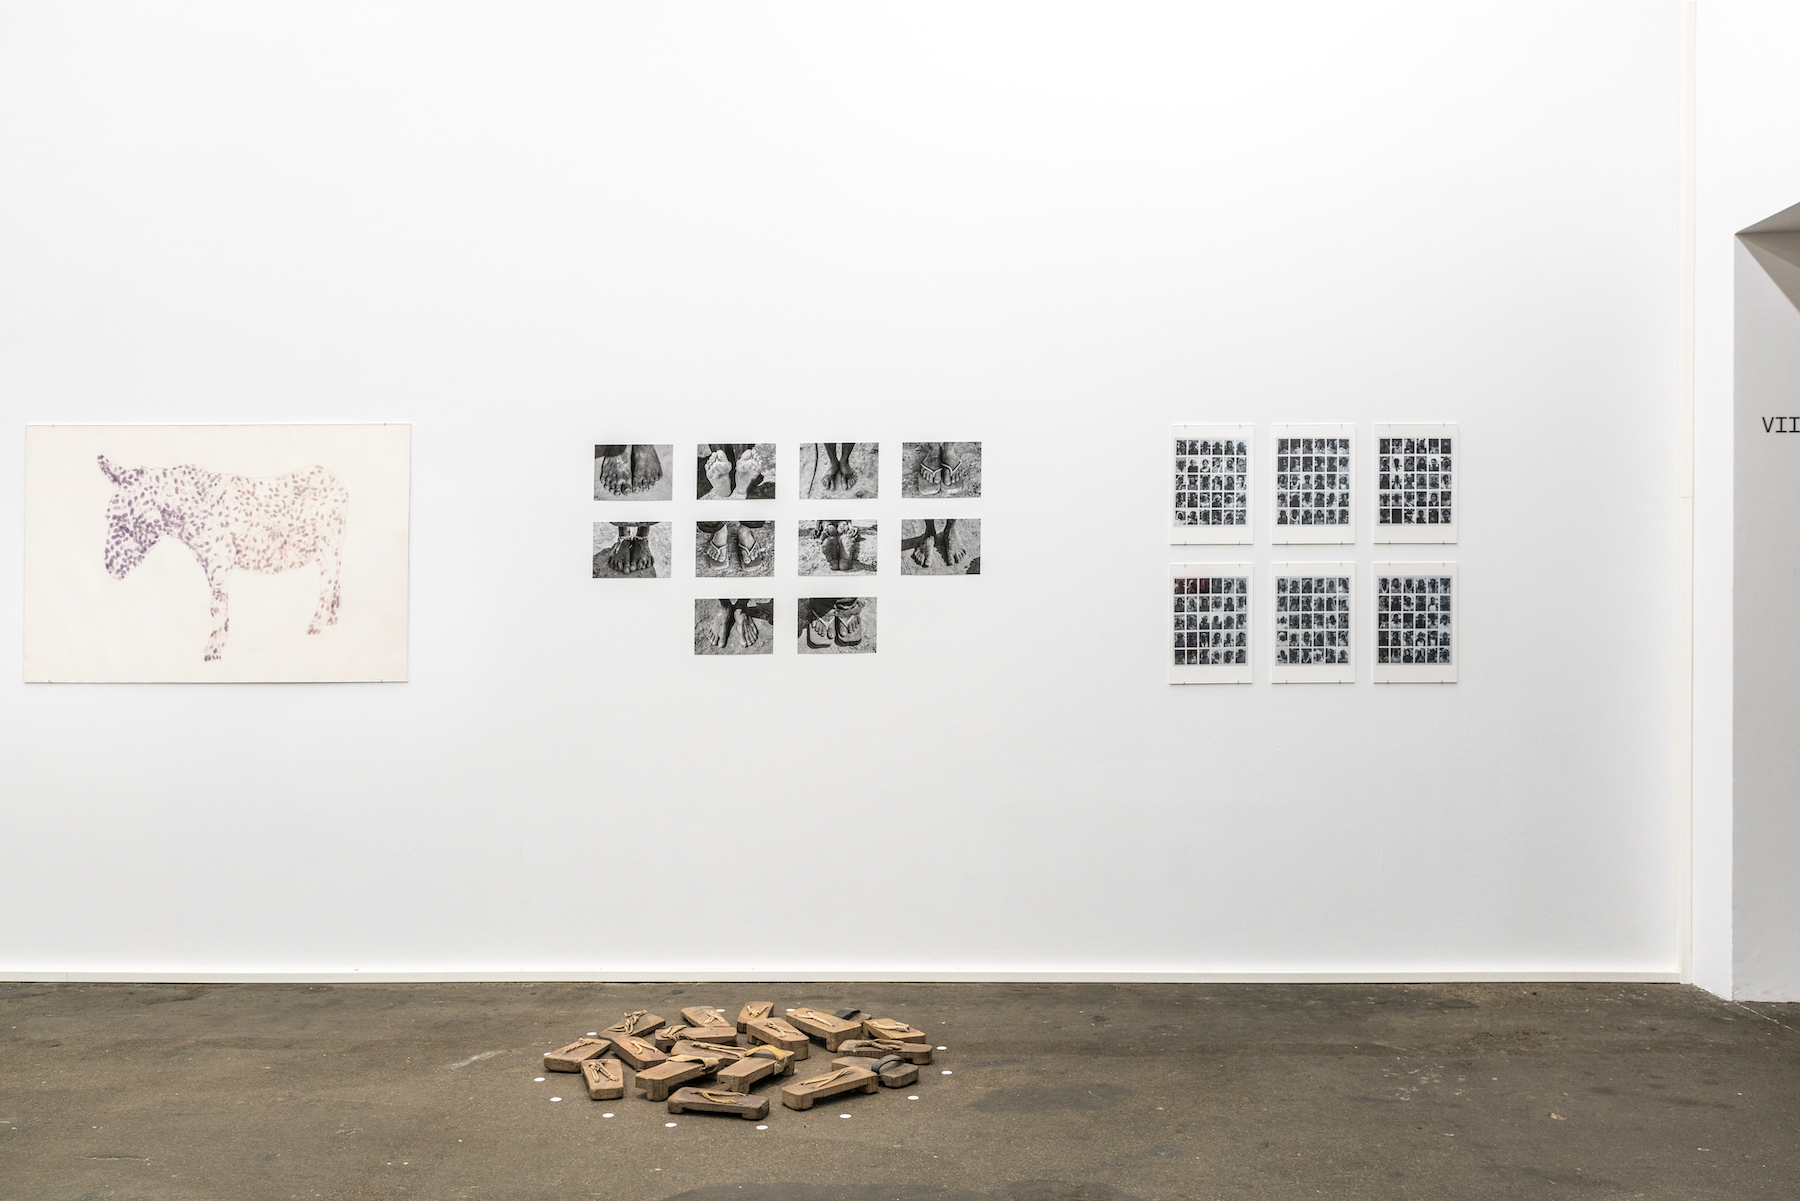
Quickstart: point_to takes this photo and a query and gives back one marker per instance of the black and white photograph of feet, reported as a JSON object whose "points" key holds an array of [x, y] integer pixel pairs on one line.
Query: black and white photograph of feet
{"points": [[931, 469], [734, 548], [840, 470], [631, 550], [734, 627], [637, 471], [940, 546], [735, 471], [837, 625], [837, 546]]}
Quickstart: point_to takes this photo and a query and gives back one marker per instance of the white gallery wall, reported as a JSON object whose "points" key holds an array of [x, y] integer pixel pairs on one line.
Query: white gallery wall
{"points": [[1056, 229]]}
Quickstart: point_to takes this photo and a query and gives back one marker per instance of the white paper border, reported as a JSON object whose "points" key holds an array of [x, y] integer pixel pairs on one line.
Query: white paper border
{"points": [[1212, 535], [1234, 673], [1415, 673], [1417, 534], [1318, 673], [1316, 535]]}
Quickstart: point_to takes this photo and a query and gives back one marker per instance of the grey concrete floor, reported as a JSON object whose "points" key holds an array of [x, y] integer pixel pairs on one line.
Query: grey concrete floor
{"points": [[1055, 1093]]}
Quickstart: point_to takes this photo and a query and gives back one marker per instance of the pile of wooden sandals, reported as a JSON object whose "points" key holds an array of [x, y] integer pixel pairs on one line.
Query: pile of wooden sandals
{"points": [[872, 1052]]}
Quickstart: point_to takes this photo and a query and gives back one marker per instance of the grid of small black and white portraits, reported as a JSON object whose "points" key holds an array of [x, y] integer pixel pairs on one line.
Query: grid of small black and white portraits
{"points": [[1312, 620], [1212, 620], [1211, 473], [1312, 482], [1415, 480], [1414, 620]]}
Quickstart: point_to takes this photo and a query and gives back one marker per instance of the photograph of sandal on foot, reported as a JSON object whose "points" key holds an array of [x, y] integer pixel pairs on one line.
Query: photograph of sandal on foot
{"points": [[734, 627], [631, 550], [837, 625], [633, 472], [735, 471], [940, 469], [831, 546], [940, 546], [734, 548], [839, 470]]}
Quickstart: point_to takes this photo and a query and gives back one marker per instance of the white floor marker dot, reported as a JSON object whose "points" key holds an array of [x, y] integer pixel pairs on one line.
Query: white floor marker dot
{"points": [[943, 1048], [606, 1115], [593, 1033], [556, 1098], [843, 1115], [537, 1079], [668, 1123], [762, 1127], [946, 1073], [912, 1098]]}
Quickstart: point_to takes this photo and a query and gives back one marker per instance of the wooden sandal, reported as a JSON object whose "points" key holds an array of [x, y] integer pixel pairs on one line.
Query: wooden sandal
{"points": [[756, 1065], [801, 1095], [893, 1071], [605, 1079], [706, 1100], [880, 1047], [571, 1057], [777, 1032], [830, 1030]]}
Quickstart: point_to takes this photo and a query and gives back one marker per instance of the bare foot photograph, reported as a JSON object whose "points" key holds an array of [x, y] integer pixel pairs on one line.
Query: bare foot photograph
{"points": [[735, 471], [940, 546], [631, 550], [836, 546], [839, 470], [640, 471], [734, 627]]}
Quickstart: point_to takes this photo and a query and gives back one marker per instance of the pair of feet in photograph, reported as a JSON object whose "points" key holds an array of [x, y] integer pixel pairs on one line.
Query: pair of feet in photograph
{"points": [[937, 537], [732, 469], [631, 553], [628, 469], [834, 623], [838, 474], [753, 543], [838, 542], [739, 615], [940, 472]]}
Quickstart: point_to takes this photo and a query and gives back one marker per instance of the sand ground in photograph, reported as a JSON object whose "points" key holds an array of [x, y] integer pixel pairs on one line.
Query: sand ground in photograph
{"points": [[708, 614], [663, 489], [965, 536], [967, 484], [865, 466], [866, 647], [764, 489], [606, 534], [733, 567], [810, 558]]}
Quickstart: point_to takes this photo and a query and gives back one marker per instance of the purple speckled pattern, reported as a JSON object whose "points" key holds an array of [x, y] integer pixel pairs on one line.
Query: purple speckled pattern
{"points": [[258, 523]]}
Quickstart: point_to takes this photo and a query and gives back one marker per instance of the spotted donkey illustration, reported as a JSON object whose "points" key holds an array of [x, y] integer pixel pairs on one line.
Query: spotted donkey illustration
{"points": [[267, 524]]}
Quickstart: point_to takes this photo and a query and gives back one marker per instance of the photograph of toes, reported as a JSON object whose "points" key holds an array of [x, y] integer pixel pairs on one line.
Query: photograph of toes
{"points": [[940, 546], [839, 470], [734, 627], [940, 469], [643, 471], [837, 625], [734, 548], [841, 546], [631, 550], [735, 471]]}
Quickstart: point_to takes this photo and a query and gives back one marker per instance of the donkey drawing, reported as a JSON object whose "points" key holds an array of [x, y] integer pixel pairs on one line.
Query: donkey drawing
{"points": [[257, 523]]}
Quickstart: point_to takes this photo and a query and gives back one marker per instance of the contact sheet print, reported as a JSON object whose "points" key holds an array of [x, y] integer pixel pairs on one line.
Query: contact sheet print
{"points": [[1313, 496], [1415, 623], [1314, 640], [1416, 472], [1209, 623], [1210, 469]]}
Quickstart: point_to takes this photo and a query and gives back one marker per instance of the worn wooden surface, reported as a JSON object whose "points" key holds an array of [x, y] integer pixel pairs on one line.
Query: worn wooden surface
{"points": [[892, 1029], [778, 1032], [571, 1057], [831, 1031], [755, 1009], [702, 1015], [914, 1052], [753, 1067], [892, 1075], [657, 1081], [639, 1022], [668, 1036], [802, 1093], [706, 1100], [640, 1053], [605, 1078]]}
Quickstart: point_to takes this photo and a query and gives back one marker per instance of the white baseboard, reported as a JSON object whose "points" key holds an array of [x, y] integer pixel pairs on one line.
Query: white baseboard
{"points": [[663, 975]]}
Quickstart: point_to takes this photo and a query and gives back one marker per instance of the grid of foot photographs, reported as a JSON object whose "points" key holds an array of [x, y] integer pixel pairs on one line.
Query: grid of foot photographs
{"points": [[1313, 608], [834, 547]]}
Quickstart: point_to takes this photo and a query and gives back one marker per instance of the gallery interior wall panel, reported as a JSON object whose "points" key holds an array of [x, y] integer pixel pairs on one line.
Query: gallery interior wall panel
{"points": [[525, 232]]}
